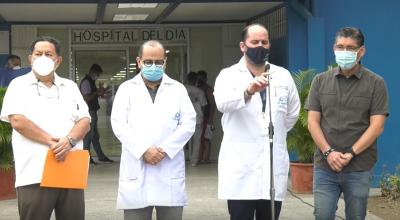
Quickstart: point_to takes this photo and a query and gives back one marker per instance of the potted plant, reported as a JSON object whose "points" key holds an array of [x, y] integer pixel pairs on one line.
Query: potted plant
{"points": [[7, 173], [299, 139]]}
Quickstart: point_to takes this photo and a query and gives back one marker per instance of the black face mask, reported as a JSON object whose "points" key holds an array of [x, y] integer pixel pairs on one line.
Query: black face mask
{"points": [[257, 55]]}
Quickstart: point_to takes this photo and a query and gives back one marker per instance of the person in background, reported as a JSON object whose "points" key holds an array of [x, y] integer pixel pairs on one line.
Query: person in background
{"points": [[208, 118], [199, 101], [243, 164], [153, 118], [46, 112], [12, 70], [347, 108], [91, 94], [13, 62]]}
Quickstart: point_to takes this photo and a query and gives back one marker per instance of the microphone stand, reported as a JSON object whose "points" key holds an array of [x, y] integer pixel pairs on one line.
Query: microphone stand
{"points": [[271, 145]]}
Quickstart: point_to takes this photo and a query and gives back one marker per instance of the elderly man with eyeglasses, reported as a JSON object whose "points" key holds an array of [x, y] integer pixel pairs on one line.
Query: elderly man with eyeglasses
{"points": [[46, 112], [153, 118]]}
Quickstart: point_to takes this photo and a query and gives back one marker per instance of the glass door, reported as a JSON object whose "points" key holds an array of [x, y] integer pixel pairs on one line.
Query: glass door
{"points": [[115, 71]]}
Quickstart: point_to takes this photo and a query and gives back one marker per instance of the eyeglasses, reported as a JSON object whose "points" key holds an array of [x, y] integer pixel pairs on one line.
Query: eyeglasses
{"points": [[349, 48], [48, 94], [149, 63]]}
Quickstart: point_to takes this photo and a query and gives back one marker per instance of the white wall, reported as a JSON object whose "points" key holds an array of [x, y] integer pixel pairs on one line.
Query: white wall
{"points": [[231, 37], [206, 50], [21, 39], [61, 34]]}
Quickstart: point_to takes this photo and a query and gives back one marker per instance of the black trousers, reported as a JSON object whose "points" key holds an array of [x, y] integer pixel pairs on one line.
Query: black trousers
{"points": [[245, 209], [37, 203]]}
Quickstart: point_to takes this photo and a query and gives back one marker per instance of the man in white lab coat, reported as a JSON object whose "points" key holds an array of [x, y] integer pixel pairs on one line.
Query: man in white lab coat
{"points": [[153, 118], [240, 94]]}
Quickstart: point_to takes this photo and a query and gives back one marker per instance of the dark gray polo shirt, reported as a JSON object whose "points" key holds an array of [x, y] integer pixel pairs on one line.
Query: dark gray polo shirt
{"points": [[346, 105]]}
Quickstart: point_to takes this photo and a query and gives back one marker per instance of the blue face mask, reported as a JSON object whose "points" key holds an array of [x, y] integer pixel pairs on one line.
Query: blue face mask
{"points": [[152, 73], [346, 59]]}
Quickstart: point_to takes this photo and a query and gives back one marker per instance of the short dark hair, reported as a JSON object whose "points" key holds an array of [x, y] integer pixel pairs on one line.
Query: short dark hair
{"points": [[95, 68], [202, 74], [191, 78], [152, 43], [353, 33], [49, 39], [13, 61], [13, 57], [246, 30]]}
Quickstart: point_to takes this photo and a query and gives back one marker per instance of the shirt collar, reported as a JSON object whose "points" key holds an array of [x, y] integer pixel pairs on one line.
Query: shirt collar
{"points": [[242, 65], [243, 68], [58, 81], [358, 74]]}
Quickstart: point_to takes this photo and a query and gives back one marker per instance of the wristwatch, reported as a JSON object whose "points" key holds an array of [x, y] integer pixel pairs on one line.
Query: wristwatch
{"points": [[352, 152], [71, 141]]}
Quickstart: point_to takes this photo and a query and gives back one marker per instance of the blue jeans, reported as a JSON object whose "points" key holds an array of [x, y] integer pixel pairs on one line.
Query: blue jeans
{"points": [[328, 185]]}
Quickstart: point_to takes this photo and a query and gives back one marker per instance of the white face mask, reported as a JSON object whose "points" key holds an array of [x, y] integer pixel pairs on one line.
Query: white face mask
{"points": [[43, 65]]}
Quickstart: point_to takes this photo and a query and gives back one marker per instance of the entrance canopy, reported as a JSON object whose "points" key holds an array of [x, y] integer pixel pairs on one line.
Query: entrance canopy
{"points": [[132, 12]]}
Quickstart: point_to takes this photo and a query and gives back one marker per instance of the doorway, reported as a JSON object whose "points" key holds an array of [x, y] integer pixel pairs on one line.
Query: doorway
{"points": [[115, 71]]}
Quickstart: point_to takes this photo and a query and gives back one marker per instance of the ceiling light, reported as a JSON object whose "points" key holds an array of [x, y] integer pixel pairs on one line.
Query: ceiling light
{"points": [[138, 5], [130, 17]]}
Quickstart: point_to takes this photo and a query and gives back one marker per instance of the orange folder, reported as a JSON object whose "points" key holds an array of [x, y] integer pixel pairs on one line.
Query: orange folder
{"points": [[72, 173]]}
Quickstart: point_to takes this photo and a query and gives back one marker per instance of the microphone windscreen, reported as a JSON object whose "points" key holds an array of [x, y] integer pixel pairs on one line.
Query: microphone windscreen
{"points": [[266, 67]]}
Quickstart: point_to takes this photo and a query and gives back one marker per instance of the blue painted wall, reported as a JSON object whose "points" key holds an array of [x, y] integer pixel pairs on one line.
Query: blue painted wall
{"points": [[380, 24], [297, 40]]}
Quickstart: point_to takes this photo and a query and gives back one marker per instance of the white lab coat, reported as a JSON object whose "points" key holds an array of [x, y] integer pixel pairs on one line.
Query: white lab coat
{"points": [[244, 164], [139, 123]]}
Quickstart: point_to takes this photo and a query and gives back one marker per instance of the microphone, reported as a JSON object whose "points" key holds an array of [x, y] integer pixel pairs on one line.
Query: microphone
{"points": [[267, 67], [266, 70]]}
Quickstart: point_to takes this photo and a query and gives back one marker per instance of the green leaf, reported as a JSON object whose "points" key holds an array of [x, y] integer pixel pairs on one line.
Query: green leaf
{"points": [[299, 139], [6, 153]]}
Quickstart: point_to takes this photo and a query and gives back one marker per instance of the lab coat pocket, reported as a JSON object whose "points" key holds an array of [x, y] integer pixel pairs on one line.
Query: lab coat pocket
{"points": [[281, 96], [178, 195], [281, 160], [131, 167], [166, 128], [130, 195], [170, 122]]}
